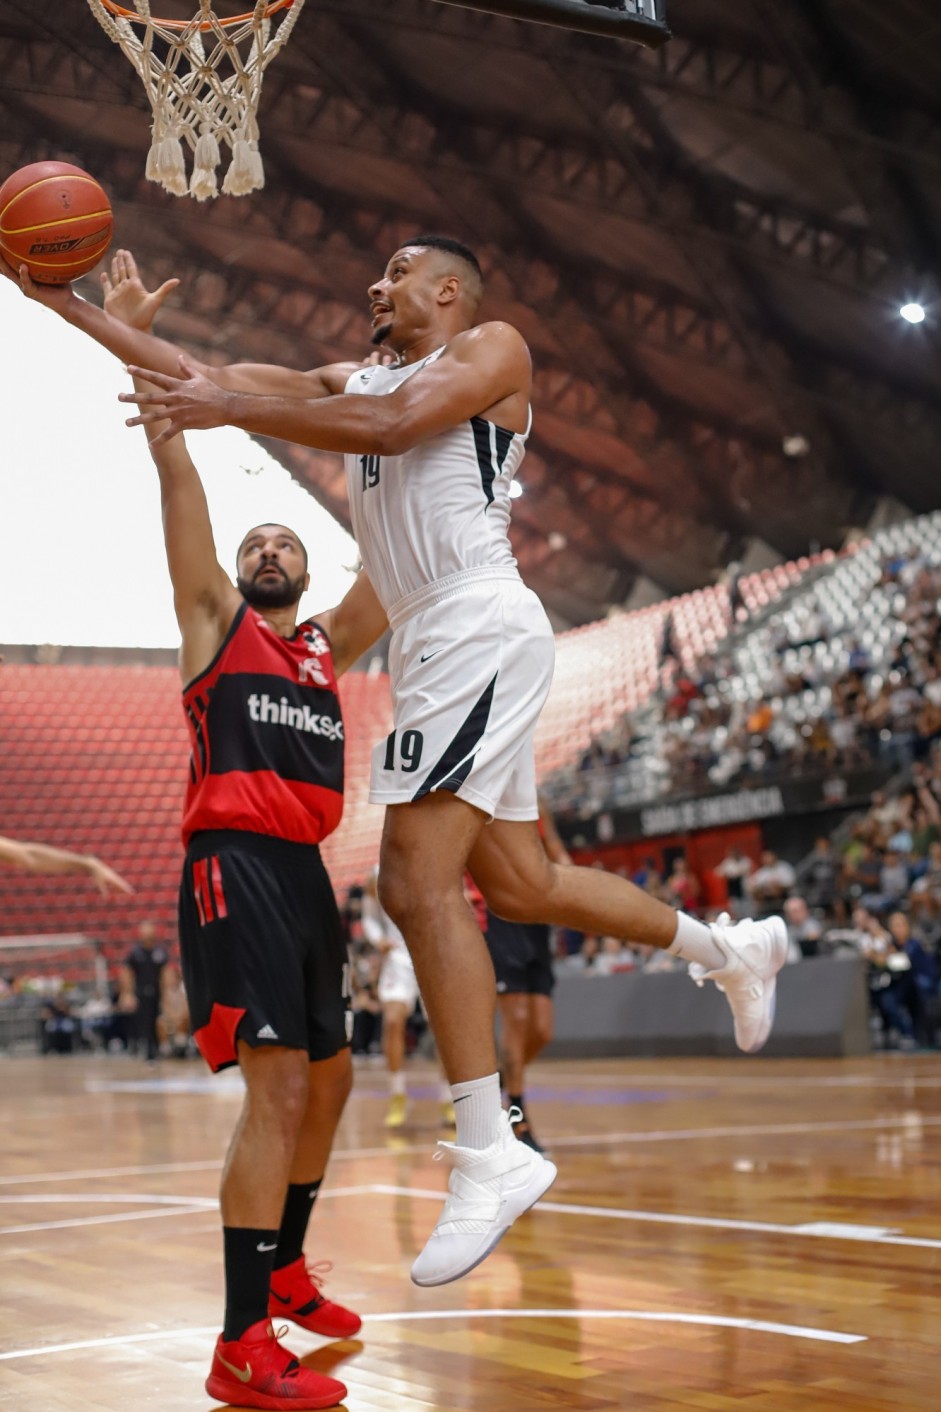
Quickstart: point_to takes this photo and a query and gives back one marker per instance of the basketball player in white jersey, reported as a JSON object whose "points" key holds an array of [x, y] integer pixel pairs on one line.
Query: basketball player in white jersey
{"points": [[432, 444], [398, 996]]}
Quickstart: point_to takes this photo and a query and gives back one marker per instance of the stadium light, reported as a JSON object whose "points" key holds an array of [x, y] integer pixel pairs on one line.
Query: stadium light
{"points": [[913, 313], [516, 490]]}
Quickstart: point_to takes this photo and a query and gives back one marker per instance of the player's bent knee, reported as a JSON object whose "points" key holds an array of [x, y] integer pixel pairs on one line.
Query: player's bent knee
{"points": [[512, 904], [414, 903]]}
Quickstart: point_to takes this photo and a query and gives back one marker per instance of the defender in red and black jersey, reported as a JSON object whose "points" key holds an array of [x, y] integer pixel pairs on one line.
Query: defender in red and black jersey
{"points": [[262, 951]]}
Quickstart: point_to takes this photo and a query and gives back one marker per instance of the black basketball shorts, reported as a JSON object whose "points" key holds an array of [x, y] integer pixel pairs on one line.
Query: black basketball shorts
{"points": [[261, 947], [520, 954]]}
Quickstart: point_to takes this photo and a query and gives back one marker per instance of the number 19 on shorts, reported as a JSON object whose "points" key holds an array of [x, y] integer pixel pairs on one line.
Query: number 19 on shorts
{"points": [[409, 751]]}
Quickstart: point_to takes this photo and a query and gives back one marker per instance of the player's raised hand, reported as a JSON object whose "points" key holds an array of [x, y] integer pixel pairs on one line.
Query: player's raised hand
{"points": [[191, 402], [126, 297], [379, 358], [53, 296]]}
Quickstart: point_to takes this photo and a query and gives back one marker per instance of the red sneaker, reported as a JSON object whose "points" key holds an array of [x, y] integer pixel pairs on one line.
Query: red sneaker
{"points": [[255, 1371], [296, 1295]]}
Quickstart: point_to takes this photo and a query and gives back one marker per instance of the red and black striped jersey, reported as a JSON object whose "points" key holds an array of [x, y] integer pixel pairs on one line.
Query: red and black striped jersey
{"points": [[266, 735]]}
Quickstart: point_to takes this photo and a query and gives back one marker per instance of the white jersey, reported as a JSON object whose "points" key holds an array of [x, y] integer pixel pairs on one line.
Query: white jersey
{"points": [[440, 509], [378, 926]]}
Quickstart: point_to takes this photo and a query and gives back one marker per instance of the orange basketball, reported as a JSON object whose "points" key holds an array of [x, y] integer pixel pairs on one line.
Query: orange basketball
{"points": [[56, 219]]}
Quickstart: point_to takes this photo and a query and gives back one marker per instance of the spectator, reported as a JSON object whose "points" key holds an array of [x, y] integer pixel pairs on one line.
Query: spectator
{"points": [[891, 989], [683, 888], [922, 1004], [893, 879], [925, 897], [865, 877], [821, 877], [736, 868], [584, 962], [804, 930], [770, 884], [614, 956]]}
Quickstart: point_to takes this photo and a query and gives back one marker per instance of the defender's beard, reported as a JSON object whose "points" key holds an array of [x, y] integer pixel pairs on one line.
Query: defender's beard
{"points": [[380, 334], [280, 592]]}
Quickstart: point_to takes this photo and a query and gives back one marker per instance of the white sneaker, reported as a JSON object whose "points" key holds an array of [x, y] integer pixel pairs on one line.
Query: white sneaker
{"points": [[487, 1190], [755, 952]]}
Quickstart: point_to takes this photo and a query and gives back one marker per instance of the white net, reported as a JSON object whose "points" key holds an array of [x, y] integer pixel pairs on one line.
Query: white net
{"points": [[44, 963], [203, 79]]}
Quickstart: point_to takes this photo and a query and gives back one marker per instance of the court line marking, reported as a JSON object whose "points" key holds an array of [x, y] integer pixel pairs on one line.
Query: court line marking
{"points": [[168, 1206], [652, 1316], [588, 1140], [105, 1198], [818, 1230], [753, 1130], [196, 1205], [103, 1220]]}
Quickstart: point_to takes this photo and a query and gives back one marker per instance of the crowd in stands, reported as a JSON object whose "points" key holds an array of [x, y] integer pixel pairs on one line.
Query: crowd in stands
{"points": [[850, 671], [844, 674]]}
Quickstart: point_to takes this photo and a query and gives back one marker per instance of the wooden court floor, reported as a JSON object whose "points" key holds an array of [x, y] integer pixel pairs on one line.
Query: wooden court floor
{"points": [[758, 1235]]}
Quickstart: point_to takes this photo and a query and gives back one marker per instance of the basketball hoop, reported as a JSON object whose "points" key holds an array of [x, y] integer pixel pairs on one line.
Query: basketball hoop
{"points": [[205, 90]]}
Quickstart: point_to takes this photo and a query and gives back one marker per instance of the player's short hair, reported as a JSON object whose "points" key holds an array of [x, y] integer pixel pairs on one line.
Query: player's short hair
{"points": [[272, 524], [458, 249]]}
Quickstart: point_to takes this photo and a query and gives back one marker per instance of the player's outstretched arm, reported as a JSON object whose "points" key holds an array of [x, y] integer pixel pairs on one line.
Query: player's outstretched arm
{"points": [[204, 597], [41, 858], [481, 369], [124, 328], [357, 621]]}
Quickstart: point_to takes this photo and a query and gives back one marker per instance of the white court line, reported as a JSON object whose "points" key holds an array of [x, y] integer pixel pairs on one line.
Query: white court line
{"points": [[818, 1230], [106, 1198], [588, 1140], [175, 1168], [103, 1220], [754, 1130], [171, 1206], [724, 1081], [717, 1321]]}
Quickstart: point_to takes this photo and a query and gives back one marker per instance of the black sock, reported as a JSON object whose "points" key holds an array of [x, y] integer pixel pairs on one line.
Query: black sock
{"points": [[249, 1256], [297, 1208], [515, 1100]]}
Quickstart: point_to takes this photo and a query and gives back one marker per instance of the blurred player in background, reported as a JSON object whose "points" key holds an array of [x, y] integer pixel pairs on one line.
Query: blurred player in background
{"points": [[522, 962], [398, 996]]}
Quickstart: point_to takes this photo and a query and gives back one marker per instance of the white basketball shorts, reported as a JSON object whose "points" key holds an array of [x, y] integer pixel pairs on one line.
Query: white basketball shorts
{"points": [[471, 664], [397, 980]]}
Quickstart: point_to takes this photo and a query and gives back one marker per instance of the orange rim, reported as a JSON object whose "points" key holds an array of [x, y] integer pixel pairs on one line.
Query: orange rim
{"points": [[124, 14]]}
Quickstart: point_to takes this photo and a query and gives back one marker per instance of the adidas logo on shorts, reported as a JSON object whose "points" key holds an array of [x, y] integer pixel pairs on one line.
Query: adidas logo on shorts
{"points": [[266, 1032]]}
